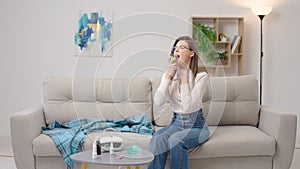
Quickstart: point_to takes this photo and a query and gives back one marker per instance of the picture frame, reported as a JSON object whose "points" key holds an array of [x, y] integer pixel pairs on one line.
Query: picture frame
{"points": [[94, 33]]}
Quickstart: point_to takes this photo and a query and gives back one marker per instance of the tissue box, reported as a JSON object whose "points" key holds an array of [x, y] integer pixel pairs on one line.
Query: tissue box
{"points": [[117, 143]]}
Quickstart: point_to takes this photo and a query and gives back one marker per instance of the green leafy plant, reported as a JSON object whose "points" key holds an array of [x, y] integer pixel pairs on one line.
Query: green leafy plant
{"points": [[206, 40], [223, 57]]}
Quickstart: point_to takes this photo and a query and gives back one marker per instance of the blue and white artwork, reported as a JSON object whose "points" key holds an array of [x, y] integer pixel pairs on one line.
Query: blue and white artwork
{"points": [[93, 36]]}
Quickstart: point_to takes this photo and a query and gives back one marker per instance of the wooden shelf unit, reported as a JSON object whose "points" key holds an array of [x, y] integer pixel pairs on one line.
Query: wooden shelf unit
{"points": [[230, 26]]}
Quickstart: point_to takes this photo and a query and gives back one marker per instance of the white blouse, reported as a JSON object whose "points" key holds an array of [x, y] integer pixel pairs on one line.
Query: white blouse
{"points": [[185, 98]]}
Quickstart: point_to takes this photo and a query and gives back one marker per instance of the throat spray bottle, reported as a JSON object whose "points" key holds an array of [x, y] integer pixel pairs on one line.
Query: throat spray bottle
{"points": [[111, 147], [94, 151]]}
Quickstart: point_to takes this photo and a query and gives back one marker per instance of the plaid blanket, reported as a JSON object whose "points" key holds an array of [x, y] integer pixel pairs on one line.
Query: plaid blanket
{"points": [[69, 137]]}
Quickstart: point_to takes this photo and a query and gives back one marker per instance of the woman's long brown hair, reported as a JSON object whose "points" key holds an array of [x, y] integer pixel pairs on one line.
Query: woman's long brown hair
{"points": [[193, 47]]}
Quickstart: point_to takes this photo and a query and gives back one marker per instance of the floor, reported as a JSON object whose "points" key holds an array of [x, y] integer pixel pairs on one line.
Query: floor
{"points": [[7, 162]]}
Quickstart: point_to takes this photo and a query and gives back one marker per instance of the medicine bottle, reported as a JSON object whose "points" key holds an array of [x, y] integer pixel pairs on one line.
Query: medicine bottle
{"points": [[98, 144]]}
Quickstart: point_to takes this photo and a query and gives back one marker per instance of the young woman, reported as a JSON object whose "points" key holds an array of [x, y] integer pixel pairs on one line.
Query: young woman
{"points": [[185, 87]]}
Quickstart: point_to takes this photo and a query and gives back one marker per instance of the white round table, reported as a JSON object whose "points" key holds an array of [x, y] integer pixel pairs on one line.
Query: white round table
{"points": [[144, 157]]}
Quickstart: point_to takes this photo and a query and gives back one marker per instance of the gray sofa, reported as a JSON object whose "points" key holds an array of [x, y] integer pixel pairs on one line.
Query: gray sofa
{"points": [[243, 134]]}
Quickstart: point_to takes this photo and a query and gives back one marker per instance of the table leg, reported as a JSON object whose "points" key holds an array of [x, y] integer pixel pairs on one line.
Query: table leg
{"points": [[83, 166], [127, 167]]}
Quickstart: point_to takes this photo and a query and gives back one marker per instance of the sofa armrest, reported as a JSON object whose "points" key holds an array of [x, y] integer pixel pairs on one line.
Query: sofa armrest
{"points": [[282, 126], [25, 126]]}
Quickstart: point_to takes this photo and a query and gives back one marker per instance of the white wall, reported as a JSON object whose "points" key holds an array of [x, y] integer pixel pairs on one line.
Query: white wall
{"points": [[281, 78], [37, 41]]}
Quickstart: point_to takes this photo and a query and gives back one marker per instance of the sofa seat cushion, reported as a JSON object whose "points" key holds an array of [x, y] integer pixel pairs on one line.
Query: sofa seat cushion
{"points": [[44, 146], [235, 141]]}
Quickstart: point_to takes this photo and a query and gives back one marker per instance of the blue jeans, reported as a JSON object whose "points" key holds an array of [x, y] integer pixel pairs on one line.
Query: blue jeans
{"points": [[184, 132]]}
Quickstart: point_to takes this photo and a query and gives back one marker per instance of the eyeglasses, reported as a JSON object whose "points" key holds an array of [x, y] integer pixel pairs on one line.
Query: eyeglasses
{"points": [[181, 47]]}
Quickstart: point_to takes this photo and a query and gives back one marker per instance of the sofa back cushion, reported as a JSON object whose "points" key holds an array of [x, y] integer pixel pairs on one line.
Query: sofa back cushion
{"points": [[226, 101], [66, 99]]}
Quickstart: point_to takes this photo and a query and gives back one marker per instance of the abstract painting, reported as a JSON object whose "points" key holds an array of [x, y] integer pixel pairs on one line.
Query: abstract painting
{"points": [[93, 36]]}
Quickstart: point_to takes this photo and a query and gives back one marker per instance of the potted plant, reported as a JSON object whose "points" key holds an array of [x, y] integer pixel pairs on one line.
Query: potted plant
{"points": [[222, 58], [222, 37], [206, 39]]}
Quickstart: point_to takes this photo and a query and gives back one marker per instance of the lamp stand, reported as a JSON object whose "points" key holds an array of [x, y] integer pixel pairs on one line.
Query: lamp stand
{"points": [[261, 57]]}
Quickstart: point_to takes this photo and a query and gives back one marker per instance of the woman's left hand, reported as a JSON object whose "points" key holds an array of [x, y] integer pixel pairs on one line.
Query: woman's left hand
{"points": [[182, 71]]}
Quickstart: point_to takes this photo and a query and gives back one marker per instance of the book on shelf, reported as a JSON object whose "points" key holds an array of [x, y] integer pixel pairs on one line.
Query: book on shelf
{"points": [[235, 43]]}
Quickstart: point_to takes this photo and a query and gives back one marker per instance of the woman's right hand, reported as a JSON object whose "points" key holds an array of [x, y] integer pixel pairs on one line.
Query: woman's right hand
{"points": [[172, 68]]}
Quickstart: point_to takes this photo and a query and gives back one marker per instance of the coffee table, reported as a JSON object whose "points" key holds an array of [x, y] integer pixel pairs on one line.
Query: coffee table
{"points": [[106, 158]]}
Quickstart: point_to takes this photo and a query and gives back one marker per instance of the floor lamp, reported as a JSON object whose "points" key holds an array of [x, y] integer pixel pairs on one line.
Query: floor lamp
{"points": [[261, 12]]}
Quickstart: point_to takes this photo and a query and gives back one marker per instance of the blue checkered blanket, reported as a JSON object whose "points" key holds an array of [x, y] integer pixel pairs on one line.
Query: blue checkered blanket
{"points": [[69, 137]]}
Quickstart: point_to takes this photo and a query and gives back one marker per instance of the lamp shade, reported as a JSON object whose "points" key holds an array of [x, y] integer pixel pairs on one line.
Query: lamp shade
{"points": [[262, 10]]}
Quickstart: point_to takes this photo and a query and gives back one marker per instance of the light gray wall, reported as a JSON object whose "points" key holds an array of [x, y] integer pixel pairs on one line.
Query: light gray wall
{"points": [[37, 41]]}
